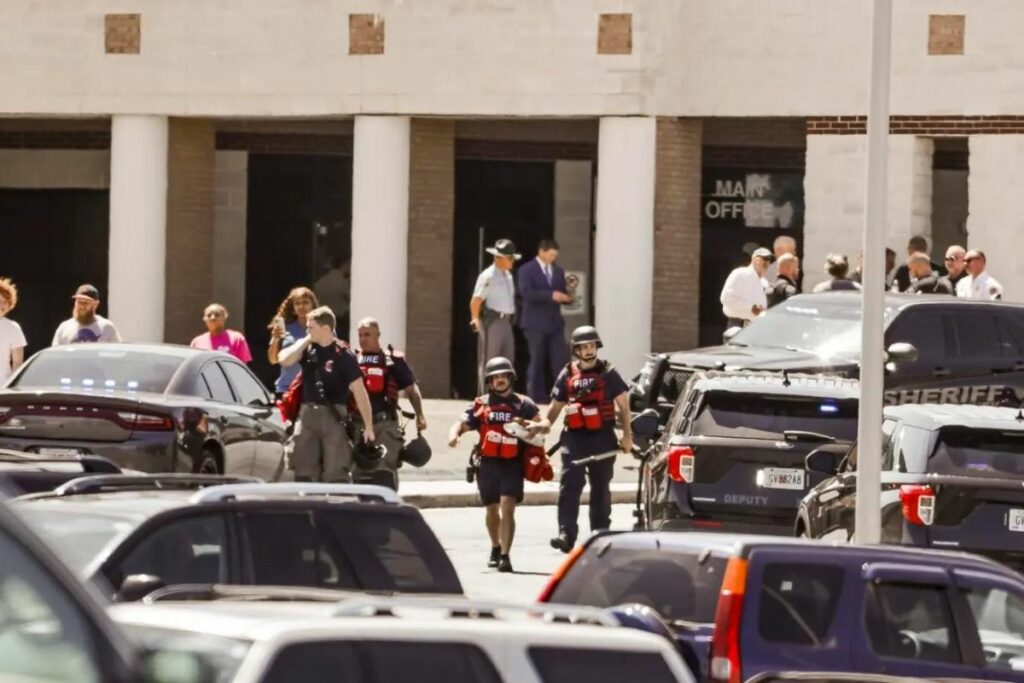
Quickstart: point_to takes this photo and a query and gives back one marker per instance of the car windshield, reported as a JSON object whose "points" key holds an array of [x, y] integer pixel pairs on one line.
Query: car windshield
{"points": [[224, 655], [978, 451], [828, 329], [108, 369], [78, 537], [680, 585], [752, 416]]}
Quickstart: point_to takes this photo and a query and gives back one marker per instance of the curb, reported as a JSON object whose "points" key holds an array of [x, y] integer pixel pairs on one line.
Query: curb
{"points": [[543, 497]]}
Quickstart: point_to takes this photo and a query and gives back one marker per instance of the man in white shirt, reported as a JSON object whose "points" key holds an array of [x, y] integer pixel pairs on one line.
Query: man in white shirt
{"points": [[978, 284], [743, 296]]}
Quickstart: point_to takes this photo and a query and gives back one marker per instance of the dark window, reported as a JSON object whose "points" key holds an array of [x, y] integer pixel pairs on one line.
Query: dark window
{"points": [[392, 550], [381, 662], [559, 664], [284, 551], [999, 615], [247, 389], [798, 602], [189, 550], [756, 416], [977, 334], [912, 446], [925, 330], [219, 389], [911, 622], [1011, 335], [961, 450], [78, 367], [888, 427], [677, 584]]}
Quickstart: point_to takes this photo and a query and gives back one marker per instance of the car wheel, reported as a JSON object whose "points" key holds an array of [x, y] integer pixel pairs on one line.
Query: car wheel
{"points": [[206, 463]]}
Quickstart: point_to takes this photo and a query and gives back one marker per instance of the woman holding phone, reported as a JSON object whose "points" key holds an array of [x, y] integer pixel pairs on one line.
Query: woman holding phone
{"points": [[287, 327]]}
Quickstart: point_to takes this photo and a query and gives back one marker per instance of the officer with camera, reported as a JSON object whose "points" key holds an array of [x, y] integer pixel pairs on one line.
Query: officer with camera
{"points": [[500, 474], [590, 390], [385, 374], [319, 448]]}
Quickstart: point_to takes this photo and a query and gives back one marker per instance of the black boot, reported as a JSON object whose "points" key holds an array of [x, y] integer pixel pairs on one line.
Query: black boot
{"points": [[563, 542], [504, 564], [495, 556]]}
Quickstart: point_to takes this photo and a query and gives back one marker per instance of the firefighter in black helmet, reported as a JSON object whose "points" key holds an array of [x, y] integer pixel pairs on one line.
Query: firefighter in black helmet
{"points": [[590, 390], [500, 477]]}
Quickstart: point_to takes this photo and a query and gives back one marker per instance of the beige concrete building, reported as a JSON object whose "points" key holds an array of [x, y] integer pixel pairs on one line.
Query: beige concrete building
{"points": [[175, 153]]}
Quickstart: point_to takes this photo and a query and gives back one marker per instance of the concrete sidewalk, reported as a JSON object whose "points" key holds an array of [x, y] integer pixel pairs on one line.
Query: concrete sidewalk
{"points": [[462, 494]]}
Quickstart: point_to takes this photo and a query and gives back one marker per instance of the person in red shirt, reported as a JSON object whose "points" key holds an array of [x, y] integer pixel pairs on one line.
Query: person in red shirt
{"points": [[219, 338]]}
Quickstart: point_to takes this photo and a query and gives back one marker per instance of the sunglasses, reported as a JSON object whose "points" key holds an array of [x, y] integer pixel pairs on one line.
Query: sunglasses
{"points": [[968, 260], [951, 258], [214, 315]]}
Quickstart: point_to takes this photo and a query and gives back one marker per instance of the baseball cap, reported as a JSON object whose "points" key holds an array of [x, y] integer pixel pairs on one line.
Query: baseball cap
{"points": [[761, 252], [87, 292]]}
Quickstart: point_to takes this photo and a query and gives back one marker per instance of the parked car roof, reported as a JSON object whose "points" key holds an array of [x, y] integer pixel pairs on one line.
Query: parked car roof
{"points": [[783, 384], [934, 416]]}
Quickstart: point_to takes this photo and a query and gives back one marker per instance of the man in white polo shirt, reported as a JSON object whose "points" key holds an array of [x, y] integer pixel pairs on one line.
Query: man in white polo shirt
{"points": [[979, 284], [743, 296]]}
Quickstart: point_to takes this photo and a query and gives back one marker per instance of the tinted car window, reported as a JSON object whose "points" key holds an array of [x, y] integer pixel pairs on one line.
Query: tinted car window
{"points": [[380, 662], [43, 635], [676, 584], [978, 451], [81, 536], [925, 330], [977, 334], [888, 427], [557, 664], [1011, 334], [392, 551], [759, 416], [999, 615], [798, 603], [247, 389], [100, 369], [912, 446], [284, 550], [911, 622], [224, 655], [217, 385], [189, 550]]}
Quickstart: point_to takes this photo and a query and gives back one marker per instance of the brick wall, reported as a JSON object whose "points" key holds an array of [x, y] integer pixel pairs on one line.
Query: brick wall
{"points": [[190, 201], [431, 240], [920, 125], [675, 319]]}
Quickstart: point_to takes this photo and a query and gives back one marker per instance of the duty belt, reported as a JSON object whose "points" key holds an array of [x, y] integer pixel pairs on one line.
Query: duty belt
{"points": [[383, 416]]}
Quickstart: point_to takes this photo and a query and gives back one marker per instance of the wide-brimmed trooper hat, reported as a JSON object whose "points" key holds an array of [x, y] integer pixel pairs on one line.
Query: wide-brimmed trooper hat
{"points": [[504, 248]]}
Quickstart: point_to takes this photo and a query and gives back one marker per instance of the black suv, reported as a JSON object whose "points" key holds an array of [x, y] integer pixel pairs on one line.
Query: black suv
{"points": [[952, 477], [137, 534], [732, 454], [941, 349]]}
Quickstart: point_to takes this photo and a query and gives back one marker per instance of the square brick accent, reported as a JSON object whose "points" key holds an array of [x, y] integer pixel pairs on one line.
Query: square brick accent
{"points": [[675, 319], [365, 34], [946, 34], [431, 246], [615, 34], [123, 34]]}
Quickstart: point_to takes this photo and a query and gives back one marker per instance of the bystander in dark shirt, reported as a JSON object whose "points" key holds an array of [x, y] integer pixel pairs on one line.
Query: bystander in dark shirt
{"points": [[902, 278], [781, 289], [327, 372], [954, 280], [931, 284]]}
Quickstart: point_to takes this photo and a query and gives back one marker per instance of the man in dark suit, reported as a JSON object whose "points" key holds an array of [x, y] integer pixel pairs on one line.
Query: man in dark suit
{"points": [[542, 287]]}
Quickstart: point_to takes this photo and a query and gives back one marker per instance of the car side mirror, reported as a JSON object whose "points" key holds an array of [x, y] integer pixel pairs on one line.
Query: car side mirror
{"points": [[902, 352], [730, 333], [822, 461], [647, 424], [137, 586]]}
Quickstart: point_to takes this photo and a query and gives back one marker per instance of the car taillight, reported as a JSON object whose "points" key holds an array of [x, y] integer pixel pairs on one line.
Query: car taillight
{"points": [[560, 573], [146, 423], [680, 463], [918, 504], [725, 640]]}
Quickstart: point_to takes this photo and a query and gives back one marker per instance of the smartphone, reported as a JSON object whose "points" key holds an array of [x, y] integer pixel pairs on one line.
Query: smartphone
{"points": [[279, 323]]}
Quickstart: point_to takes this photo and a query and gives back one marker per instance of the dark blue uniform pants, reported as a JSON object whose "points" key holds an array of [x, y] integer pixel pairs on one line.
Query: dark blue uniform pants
{"points": [[576, 446], [547, 351]]}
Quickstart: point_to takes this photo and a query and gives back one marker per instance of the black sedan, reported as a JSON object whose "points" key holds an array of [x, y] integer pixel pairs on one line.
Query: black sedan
{"points": [[147, 407]]}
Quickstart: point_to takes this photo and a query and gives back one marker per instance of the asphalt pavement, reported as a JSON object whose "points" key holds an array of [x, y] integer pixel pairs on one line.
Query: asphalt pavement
{"points": [[464, 537]]}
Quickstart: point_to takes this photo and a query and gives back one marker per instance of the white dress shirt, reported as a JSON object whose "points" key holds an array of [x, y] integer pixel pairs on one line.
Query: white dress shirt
{"points": [[743, 290], [982, 287]]}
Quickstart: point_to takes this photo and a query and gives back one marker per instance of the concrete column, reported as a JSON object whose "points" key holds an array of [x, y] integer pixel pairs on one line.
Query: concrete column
{"points": [[380, 223], [995, 224], [573, 193], [138, 226], [624, 243], [834, 196]]}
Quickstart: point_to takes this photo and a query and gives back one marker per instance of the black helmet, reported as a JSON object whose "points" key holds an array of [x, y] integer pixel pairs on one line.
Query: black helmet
{"points": [[499, 365], [584, 335], [417, 452], [368, 456]]}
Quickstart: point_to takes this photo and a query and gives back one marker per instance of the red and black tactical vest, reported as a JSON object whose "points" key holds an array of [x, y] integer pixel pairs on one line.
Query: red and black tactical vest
{"points": [[587, 407]]}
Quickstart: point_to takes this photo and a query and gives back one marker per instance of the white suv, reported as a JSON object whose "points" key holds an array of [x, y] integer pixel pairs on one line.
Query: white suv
{"points": [[371, 640]]}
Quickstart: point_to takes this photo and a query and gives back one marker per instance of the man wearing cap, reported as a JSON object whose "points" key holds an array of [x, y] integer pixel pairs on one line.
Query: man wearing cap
{"points": [[494, 304], [743, 296], [84, 325]]}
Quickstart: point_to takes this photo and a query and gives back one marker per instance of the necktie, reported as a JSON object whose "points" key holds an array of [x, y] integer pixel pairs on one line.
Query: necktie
{"points": [[547, 273]]}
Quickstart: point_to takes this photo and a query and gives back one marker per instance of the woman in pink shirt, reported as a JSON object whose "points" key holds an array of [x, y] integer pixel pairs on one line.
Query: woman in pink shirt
{"points": [[219, 338]]}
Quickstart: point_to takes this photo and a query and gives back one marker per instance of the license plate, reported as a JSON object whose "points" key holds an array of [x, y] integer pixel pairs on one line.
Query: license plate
{"points": [[1016, 520], [60, 452], [781, 478]]}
